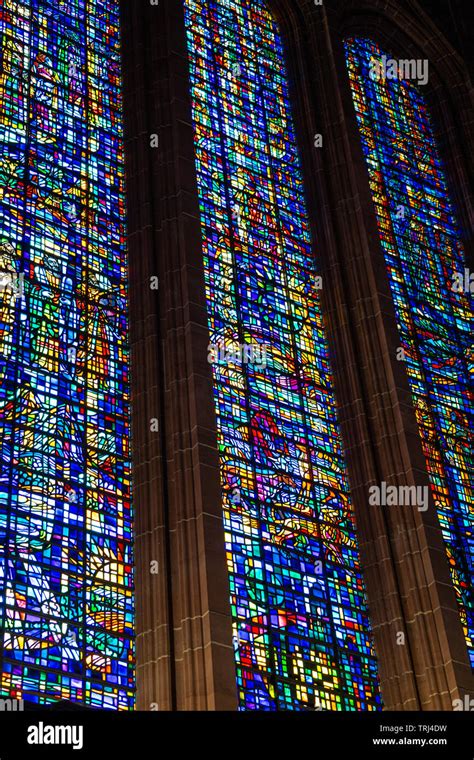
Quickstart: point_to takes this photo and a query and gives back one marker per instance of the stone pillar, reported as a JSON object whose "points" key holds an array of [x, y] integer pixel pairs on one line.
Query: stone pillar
{"points": [[184, 640]]}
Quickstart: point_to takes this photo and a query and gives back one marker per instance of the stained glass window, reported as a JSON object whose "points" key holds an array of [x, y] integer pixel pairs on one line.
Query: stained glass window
{"points": [[430, 289], [301, 633], [65, 523]]}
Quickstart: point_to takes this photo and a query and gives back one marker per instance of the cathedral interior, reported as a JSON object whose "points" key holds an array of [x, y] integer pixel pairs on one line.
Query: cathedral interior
{"points": [[236, 355]]}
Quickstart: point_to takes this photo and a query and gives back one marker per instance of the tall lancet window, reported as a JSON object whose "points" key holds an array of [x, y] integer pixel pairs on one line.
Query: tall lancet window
{"points": [[66, 611], [301, 632], [430, 289]]}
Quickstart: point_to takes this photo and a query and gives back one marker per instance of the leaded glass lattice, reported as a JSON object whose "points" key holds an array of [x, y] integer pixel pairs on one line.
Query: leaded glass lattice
{"points": [[301, 632], [430, 289], [66, 607]]}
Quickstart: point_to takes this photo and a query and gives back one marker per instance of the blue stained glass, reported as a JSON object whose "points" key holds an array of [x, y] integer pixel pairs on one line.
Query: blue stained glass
{"points": [[301, 632], [66, 605], [431, 290]]}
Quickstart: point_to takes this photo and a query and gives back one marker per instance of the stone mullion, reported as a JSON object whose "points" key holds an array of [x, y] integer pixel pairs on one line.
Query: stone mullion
{"points": [[153, 625], [204, 667]]}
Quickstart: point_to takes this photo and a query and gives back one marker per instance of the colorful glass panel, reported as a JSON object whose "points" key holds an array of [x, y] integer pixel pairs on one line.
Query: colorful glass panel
{"points": [[66, 606], [430, 289], [301, 632]]}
